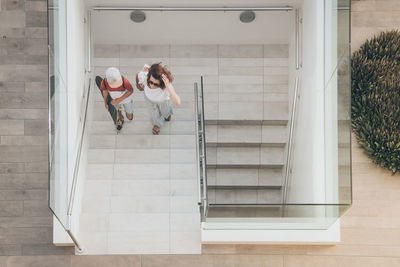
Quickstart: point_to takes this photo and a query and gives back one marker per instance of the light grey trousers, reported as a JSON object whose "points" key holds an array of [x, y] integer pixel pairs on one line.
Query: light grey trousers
{"points": [[159, 111]]}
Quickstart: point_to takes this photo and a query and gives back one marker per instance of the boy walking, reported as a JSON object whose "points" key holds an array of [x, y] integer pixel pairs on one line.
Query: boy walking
{"points": [[117, 92]]}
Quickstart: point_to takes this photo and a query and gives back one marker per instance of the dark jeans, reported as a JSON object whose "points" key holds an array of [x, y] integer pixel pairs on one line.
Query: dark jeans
{"points": [[111, 109]]}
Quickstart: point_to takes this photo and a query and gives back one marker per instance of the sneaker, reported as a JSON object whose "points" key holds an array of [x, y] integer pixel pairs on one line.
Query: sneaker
{"points": [[133, 118], [156, 130]]}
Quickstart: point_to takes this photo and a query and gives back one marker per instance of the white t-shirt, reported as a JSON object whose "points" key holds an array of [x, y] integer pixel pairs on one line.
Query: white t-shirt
{"points": [[118, 94], [156, 95]]}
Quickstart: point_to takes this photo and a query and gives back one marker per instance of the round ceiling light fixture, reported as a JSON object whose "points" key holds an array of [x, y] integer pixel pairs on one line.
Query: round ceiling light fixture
{"points": [[138, 16], [247, 16]]}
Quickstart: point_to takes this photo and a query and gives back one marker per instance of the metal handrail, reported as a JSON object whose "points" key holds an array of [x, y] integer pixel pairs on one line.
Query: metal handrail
{"points": [[121, 8], [79, 152], [196, 115], [200, 148], [76, 170], [290, 142], [204, 158]]}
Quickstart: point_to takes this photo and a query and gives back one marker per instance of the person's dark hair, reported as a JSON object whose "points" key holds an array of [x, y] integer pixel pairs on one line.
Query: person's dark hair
{"points": [[156, 70]]}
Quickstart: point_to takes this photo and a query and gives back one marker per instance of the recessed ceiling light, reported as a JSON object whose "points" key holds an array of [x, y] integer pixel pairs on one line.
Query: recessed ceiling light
{"points": [[138, 16], [247, 16]]}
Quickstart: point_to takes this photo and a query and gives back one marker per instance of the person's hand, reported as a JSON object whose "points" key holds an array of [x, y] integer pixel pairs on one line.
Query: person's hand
{"points": [[114, 102], [106, 105], [165, 80]]}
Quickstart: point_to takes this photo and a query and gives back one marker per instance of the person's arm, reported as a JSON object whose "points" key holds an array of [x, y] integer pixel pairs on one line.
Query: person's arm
{"points": [[119, 99], [138, 86], [104, 92], [172, 94], [129, 91], [105, 95]]}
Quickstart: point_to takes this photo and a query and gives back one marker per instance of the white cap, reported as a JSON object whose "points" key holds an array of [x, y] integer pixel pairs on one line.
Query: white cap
{"points": [[113, 75], [146, 66]]}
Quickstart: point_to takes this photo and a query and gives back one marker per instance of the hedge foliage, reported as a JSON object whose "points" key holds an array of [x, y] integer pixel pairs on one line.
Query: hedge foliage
{"points": [[376, 98]]}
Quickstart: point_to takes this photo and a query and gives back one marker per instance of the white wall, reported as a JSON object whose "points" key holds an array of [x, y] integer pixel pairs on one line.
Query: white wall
{"points": [[308, 175], [190, 27]]}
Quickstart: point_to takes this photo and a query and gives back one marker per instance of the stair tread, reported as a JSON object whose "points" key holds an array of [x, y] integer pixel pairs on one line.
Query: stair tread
{"points": [[244, 144], [242, 187], [247, 122], [244, 196], [247, 166]]}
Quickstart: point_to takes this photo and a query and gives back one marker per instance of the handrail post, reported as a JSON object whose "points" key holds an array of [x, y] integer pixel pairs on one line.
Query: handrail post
{"points": [[297, 37], [89, 21]]}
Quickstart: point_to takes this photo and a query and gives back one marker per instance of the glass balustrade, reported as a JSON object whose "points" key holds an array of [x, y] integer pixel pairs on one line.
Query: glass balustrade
{"points": [[58, 115]]}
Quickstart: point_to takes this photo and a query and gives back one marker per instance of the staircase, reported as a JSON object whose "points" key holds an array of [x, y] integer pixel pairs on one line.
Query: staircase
{"points": [[247, 129], [245, 161], [140, 194], [141, 191]]}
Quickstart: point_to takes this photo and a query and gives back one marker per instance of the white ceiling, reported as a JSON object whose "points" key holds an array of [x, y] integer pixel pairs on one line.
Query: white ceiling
{"points": [[186, 3], [181, 27]]}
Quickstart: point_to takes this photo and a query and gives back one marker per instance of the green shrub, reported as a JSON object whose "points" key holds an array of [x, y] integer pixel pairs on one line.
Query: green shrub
{"points": [[376, 98]]}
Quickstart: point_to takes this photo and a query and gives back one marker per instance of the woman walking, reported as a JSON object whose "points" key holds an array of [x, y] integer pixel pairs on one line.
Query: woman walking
{"points": [[159, 94]]}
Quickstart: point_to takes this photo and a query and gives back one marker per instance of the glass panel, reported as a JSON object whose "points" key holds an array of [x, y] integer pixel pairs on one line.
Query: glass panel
{"points": [[276, 216], [337, 102], [344, 103], [58, 157]]}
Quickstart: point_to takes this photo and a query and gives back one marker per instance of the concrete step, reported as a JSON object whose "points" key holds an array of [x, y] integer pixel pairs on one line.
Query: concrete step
{"points": [[247, 122], [141, 156], [141, 113], [249, 135], [245, 144], [242, 187], [174, 127], [245, 166], [244, 196], [232, 211], [245, 177], [242, 110], [253, 156], [141, 141], [138, 97]]}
